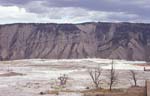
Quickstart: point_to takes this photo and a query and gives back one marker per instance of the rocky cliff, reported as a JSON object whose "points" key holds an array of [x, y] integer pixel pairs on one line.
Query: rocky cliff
{"points": [[129, 41]]}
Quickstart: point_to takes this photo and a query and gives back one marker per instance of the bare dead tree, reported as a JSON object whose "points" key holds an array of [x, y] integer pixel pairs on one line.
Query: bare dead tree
{"points": [[113, 78], [134, 77], [63, 79], [95, 75]]}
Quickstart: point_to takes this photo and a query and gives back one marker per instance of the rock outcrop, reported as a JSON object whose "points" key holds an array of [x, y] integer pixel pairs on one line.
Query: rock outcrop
{"points": [[130, 41]]}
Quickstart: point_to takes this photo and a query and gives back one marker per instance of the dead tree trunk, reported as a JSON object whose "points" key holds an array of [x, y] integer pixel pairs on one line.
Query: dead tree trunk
{"points": [[113, 76], [95, 76], [134, 77]]}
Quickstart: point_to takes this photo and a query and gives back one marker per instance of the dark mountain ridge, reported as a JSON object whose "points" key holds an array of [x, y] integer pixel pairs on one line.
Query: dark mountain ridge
{"points": [[130, 41]]}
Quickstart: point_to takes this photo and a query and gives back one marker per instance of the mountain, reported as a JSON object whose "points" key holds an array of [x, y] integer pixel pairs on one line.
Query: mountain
{"points": [[130, 41]]}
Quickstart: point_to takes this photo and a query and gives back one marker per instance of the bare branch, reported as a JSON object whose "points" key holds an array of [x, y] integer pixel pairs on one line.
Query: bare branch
{"points": [[95, 75], [63, 79]]}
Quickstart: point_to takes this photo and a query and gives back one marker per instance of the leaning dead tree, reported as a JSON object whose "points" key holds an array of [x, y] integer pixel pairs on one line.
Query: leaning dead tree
{"points": [[113, 78], [95, 75], [134, 77], [63, 80]]}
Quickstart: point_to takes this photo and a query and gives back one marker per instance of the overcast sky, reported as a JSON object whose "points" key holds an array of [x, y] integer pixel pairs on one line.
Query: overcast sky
{"points": [[74, 11]]}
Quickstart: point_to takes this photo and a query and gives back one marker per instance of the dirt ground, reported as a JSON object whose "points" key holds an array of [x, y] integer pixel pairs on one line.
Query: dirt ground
{"points": [[30, 77], [132, 91]]}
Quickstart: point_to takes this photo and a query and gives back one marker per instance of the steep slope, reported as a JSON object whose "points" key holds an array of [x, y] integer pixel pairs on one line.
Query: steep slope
{"points": [[129, 41]]}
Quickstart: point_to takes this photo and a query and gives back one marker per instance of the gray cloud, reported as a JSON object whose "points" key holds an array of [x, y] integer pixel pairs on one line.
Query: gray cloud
{"points": [[14, 2], [119, 10], [128, 6]]}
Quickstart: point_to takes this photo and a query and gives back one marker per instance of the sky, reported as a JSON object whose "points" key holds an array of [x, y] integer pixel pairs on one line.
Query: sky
{"points": [[74, 11]]}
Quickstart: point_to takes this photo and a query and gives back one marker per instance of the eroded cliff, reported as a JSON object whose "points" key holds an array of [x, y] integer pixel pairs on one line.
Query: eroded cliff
{"points": [[129, 41]]}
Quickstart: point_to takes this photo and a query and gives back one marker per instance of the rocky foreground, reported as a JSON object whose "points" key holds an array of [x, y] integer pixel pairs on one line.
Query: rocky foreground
{"points": [[31, 77]]}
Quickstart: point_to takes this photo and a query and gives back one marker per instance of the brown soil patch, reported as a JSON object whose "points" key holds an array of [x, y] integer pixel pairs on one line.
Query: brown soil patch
{"points": [[11, 74], [136, 91], [55, 66], [103, 91], [144, 65], [53, 92], [133, 91]]}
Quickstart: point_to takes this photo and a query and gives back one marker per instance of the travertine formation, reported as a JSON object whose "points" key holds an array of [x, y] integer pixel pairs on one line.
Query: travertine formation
{"points": [[130, 41]]}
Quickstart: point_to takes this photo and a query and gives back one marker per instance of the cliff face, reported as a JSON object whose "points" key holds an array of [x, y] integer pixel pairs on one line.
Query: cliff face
{"points": [[55, 41]]}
